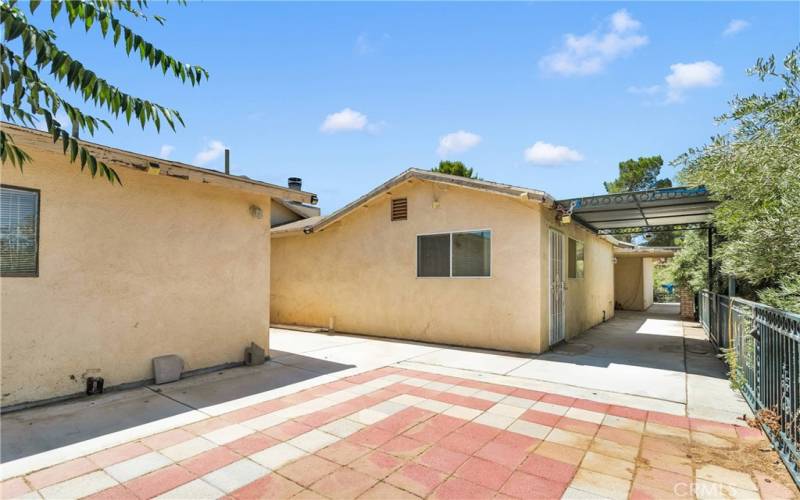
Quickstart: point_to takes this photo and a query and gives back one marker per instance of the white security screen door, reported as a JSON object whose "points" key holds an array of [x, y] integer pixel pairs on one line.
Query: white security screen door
{"points": [[556, 273]]}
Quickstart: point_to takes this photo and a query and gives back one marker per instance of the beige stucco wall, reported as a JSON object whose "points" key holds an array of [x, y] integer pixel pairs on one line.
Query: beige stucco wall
{"points": [[156, 267], [361, 272], [633, 289], [588, 300]]}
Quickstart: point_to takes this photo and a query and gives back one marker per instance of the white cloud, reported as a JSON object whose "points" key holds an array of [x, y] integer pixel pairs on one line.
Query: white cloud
{"points": [[457, 142], [166, 150], [213, 150], [684, 76], [346, 120], [590, 53], [735, 26], [543, 153]]}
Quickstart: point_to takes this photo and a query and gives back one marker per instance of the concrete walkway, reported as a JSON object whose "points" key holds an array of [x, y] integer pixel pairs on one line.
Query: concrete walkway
{"points": [[639, 361]]}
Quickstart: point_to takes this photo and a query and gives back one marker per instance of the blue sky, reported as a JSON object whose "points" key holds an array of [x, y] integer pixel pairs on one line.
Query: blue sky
{"points": [[546, 95]]}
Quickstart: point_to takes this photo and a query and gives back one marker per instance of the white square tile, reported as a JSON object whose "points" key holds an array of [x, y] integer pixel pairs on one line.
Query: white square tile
{"points": [[438, 386], [80, 486], [360, 390], [235, 475], [313, 440], [340, 396], [388, 408], [462, 390], [228, 434], [518, 402], [138, 466], [550, 408], [506, 410], [342, 427], [367, 416], [489, 396], [193, 490], [462, 412], [627, 424], [433, 405], [494, 420], [265, 421], [378, 383], [276, 456], [406, 399], [531, 429], [585, 415], [415, 382], [186, 449]]}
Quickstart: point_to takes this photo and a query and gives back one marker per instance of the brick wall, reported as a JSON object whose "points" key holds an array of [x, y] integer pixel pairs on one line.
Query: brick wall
{"points": [[687, 303]]}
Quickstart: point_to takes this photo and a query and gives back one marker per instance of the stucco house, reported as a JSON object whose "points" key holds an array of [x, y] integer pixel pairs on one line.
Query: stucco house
{"points": [[98, 279], [440, 258], [633, 275]]}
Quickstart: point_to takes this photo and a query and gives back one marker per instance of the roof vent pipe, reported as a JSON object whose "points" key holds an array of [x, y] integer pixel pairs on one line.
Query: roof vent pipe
{"points": [[296, 183], [227, 162]]}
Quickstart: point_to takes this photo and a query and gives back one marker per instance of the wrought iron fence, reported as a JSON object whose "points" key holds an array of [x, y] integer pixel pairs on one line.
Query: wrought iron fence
{"points": [[764, 347]]}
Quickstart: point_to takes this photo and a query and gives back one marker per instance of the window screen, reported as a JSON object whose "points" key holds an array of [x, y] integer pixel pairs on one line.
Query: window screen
{"points": [[433, 255], [19, 222], [471, 253], [575, 259]]}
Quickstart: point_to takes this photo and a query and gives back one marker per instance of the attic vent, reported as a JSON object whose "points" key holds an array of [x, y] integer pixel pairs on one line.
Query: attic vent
{"points": [[400, 209]]}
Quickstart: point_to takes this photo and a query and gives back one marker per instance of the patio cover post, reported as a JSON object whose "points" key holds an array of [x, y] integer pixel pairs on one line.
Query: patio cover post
{"points": [[710, 232]]}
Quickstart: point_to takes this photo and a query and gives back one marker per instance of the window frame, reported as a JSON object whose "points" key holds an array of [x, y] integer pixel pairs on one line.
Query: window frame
{"points": [[38, 192], [569, 259], [451, 233]]}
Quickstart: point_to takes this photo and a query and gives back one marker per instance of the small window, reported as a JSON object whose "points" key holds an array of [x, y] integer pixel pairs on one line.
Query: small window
{"points": [[433, 256], [400, 209], [19, 232], [464, 255], [575, 259]]}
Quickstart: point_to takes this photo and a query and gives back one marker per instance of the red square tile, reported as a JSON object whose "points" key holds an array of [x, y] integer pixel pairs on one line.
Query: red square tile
{"points": [[711, 427], [343, 452], [523, 485], [384, 491], [167, 439], [252, 444], [403, 447], [557, 399], [118, 492], [207, 425], [271, 486], [462, 443], [619, 436], [371, 437], [579, 426], [13, 488], [404, 420], [528, 394], [417, 479], [118, 454], [287, 430], [500, 389], [210, 460], [270, 406], [660, 479], [515, 440], [308, 470], [344, 483], [484, 473], [427, 432], [586, 404], [459, 489], [317, 419], [667, 419], [548, 468], [540, 417], [479, 431], [502, 454], [749, 433], [243, 414], [61, 472], [377, 464], [624, 411], [158, 482], [442, 459], [343, 409], [665, 446]]}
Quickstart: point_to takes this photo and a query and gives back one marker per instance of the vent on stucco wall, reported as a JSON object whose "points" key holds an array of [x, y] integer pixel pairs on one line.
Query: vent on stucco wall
{"points": [[399, 209]]}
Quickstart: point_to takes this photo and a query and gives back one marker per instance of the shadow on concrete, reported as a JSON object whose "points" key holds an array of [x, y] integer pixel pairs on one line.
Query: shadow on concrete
{"points": [[36, 430], [648, 339]]}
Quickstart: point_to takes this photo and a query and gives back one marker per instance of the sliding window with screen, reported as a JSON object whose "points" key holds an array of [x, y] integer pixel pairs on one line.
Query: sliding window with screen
{"points": [[463, 254], [19, 232]]}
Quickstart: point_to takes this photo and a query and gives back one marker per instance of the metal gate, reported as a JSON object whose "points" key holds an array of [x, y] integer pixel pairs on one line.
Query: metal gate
{"points": [[557, 285]]}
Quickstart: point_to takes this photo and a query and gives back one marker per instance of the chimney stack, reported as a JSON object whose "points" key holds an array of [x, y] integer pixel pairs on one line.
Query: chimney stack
{"points": [[227, 162], [296, 183]]}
